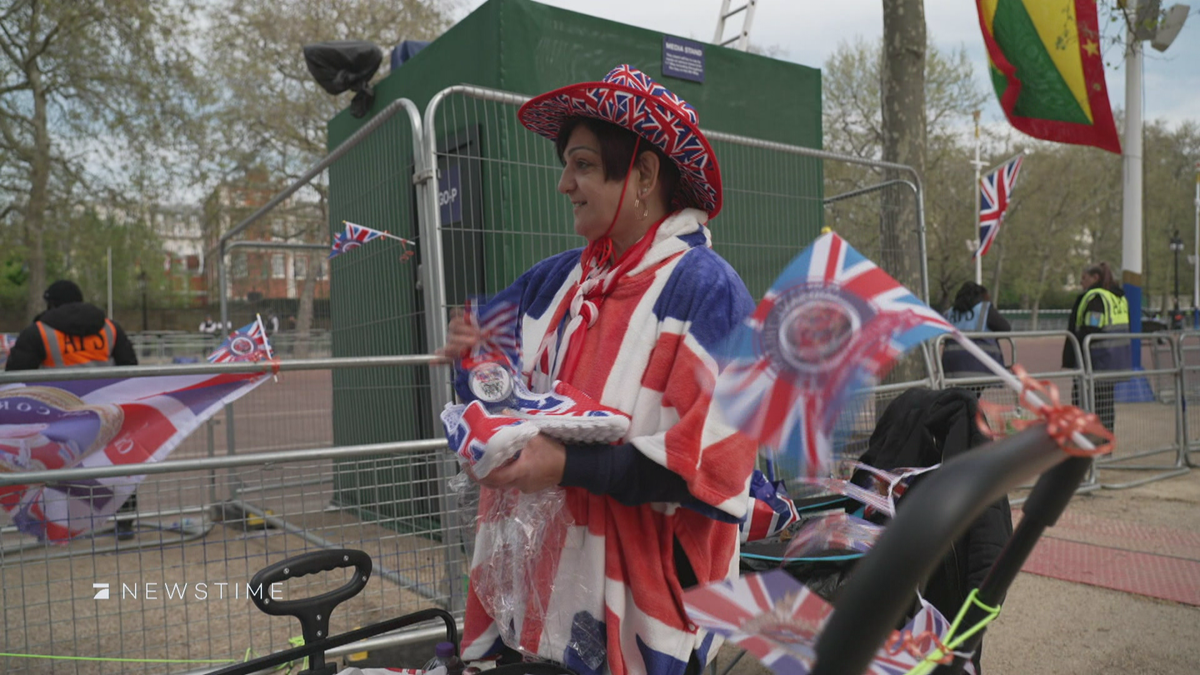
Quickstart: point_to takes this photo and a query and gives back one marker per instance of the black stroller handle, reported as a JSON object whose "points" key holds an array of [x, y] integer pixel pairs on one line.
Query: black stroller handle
{"points": [[936, 512], [313, 612]]}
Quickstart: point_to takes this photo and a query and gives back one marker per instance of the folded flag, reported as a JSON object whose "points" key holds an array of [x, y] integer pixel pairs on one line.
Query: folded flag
{"points": [[484, 441], [831, 324]]}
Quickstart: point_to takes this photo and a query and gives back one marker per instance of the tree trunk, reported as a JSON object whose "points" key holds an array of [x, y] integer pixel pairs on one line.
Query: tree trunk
{"points": [[903, 100], [304, 315], [35, 213]]}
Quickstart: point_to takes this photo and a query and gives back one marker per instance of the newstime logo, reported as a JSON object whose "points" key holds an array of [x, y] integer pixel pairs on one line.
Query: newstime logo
{"points": [[202, 590]]}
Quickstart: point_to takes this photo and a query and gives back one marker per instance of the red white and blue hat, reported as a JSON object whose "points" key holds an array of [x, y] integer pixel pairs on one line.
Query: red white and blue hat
{"points": [[628, 98]]}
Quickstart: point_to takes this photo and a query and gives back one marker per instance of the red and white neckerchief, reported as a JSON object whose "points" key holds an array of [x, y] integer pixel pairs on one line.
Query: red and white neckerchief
{"points": [[558, 354]]}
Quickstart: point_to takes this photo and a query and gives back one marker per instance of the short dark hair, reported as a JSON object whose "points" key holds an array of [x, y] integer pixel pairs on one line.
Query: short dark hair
{"points": [[616, 151]]}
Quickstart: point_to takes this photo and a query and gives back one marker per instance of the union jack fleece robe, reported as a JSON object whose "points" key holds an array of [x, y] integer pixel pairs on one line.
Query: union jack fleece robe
{"points": [[615, 604]]}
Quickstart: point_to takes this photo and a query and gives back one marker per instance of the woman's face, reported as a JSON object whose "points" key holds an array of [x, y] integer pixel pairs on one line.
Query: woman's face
{"points": [[1088, 280], [594, 200]]}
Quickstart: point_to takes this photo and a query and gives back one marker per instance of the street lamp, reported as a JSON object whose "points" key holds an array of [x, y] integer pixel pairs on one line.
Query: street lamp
{"points": [[141, 280], [1176, 247]]}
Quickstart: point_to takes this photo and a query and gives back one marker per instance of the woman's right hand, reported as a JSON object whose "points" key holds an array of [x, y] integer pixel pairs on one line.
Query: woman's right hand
{"points": [[461, 336]]}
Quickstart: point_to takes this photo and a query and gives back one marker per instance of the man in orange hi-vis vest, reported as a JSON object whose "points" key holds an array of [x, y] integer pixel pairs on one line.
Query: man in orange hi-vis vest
{"points": [[72, 333]]}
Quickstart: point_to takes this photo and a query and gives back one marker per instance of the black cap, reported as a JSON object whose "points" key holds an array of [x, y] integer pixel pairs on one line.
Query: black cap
{"points": [[62, 292]]}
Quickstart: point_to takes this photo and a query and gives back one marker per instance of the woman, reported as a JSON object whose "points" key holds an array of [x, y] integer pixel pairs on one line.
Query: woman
{"points": [[1101, 308], [973, 312], [629, 321]]}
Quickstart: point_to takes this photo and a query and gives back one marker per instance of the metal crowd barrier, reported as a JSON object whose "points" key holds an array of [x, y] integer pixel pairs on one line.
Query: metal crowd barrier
{"points": [[1146, 415], [1189, 360], [216, 520]]}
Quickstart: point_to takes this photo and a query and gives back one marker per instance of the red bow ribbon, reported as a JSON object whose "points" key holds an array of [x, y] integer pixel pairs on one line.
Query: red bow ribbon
{"points": [[1062, 421]]}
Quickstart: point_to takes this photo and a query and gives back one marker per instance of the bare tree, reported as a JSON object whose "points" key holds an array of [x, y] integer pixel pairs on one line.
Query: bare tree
{"points": [[274, 114], [94, 94]]}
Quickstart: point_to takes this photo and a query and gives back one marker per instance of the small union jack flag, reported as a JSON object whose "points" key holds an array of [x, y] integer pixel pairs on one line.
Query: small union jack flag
{"points": [[778, 620], [995, 189], [351, 238], [770, 510], [498, 324], [248, 343], [770, 615], [832, 323]]}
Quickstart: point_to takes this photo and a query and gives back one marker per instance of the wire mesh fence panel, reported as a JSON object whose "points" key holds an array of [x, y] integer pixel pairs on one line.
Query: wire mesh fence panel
{"points": [[772, 209], [1189, 352], [178, 588], [877, 211], [499, 206], [1144, 413], [1043, 320]]}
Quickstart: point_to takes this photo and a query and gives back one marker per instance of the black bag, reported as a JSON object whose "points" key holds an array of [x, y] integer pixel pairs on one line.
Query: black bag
{"points": [[923, 427], [345, 65]]}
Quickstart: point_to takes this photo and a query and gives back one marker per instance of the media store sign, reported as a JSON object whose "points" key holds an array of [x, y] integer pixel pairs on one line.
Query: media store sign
{"points": [[157, 591]]}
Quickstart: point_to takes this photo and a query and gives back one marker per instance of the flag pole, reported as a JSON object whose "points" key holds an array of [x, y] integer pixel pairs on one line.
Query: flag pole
{"points": [[399, 239], [978, 237], [1012, 382]]}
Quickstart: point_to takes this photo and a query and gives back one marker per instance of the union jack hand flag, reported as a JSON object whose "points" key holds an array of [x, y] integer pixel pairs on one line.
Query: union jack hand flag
{"points": [[832, 323], [248, 343], [497, 322], [351, 238], [778, 620], [994, 192]]}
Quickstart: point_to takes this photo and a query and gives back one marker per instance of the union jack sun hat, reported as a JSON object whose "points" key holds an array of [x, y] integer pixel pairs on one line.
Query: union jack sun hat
{"points": [[628, 98]]}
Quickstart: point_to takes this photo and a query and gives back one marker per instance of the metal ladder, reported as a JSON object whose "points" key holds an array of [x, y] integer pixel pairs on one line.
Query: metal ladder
{"points": [[741, 40]]}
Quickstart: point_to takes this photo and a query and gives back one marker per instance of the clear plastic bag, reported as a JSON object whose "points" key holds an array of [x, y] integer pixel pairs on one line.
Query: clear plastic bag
{"points": [[837, 532], [515, 571]]}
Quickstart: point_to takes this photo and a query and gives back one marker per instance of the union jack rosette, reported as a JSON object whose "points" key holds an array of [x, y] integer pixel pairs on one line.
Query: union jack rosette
{"points": [[832, 323]]}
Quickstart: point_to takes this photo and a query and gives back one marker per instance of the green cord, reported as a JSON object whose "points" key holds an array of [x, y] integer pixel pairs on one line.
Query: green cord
{"points": [[295, 642], [113, 659], [952, 641]]}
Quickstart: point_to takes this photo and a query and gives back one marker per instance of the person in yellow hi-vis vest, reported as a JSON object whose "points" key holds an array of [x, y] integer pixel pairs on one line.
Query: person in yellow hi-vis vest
{"points": [[1101, 308], [72, 333]]}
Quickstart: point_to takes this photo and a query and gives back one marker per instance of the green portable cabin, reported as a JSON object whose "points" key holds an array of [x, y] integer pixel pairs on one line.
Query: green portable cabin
{"points": [[501, 212]]}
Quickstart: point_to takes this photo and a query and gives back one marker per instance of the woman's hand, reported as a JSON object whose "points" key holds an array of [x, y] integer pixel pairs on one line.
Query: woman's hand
{"points": [[461, 337], [539, 466]]}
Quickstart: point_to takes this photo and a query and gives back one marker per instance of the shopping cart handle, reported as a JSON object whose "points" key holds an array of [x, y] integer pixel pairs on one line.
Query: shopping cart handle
{"points": [[313, 612], [936, 511]]}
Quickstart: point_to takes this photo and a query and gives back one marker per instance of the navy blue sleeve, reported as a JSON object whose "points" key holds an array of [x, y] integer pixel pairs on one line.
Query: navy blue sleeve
{"points": [[28, 352], [623, 473]]}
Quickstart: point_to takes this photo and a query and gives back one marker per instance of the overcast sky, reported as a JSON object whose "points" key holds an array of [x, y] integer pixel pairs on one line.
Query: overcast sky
{"points": [[809, 31]]}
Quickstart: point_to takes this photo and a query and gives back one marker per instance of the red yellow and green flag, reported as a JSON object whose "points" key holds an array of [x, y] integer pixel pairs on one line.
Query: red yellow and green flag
{"points": [[1048, 70]]}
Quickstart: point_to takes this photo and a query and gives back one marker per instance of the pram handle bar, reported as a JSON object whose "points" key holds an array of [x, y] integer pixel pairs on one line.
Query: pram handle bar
{"points": [[271, 661], [935, 513], [313, 612]]}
